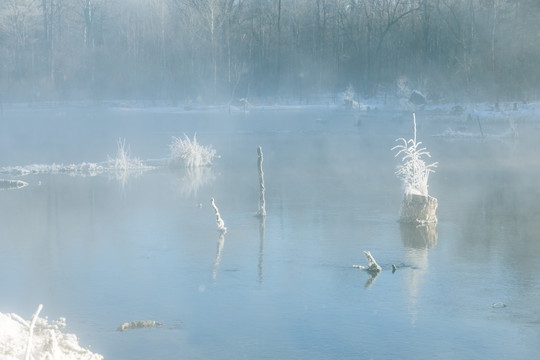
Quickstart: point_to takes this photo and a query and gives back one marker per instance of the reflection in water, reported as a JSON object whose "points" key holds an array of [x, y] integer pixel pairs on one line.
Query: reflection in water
{"points": [[123, 175], [372, 276], [262, 224], [221, 243], [418, 236], [417, 239], [195, 178], [6, 184]]}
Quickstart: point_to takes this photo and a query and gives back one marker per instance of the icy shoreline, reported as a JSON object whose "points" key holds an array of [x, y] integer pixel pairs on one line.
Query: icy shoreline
{"points": [[38, 339], [328, 102]]}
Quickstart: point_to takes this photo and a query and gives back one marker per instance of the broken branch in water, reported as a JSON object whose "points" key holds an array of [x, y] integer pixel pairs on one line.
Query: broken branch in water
{"points": [[139, 324], [372, 264], [219, 220]]}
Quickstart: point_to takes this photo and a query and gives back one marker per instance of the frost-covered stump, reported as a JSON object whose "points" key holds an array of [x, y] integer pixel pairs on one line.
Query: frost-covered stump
{"points": [[418, 209]]}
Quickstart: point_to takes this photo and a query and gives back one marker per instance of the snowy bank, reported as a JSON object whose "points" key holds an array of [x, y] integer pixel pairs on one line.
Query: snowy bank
{"points": [[38, 339]]}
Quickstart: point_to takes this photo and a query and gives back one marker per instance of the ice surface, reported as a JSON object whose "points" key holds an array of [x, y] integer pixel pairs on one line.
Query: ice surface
{"points": [[163, 241]]}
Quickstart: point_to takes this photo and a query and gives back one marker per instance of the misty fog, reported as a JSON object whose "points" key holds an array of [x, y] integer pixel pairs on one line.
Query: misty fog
{"points": [[220, 179], [217, 51]]}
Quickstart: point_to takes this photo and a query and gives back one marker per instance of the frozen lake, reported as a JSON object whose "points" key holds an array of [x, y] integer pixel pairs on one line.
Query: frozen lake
{"points": [[103, 250]]}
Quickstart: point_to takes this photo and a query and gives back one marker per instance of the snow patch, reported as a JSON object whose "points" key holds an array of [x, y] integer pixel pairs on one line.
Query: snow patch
{"points": [[38, 339]]}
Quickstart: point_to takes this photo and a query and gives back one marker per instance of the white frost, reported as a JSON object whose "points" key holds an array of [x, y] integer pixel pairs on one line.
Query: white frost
{"points": [[190, 153], [219, 220], [262, 201], [372, 264], [139, 324], [413, 172], [123, 160], [39, 340]]}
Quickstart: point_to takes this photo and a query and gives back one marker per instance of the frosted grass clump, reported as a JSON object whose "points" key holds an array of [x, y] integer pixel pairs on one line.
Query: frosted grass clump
{"points": [[123, 160], [413, 172], [123, 166], [39, 339], [190, 153]]}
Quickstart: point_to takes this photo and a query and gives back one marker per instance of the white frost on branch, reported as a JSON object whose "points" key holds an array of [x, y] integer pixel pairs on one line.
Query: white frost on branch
{"points": [[413, 172], [219, 220], [262, 201], [372, 264]]}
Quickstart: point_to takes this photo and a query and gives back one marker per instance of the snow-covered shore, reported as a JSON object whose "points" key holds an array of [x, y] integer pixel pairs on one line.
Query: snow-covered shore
{"points": [[327, 102], [38, 339]]}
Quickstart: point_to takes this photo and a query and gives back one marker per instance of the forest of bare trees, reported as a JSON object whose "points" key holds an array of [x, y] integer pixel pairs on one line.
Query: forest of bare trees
{"points": [[220, 50]]}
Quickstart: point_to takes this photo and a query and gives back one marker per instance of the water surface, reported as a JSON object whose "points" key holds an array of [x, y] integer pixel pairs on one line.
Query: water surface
{"points": [[102, 250]]}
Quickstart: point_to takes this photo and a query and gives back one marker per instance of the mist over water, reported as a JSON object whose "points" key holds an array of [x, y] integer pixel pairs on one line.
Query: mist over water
{"points": [[102, 252]]}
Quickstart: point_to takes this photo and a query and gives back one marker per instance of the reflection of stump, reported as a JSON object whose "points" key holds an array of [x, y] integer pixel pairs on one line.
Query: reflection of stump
{"points": [[418, 209], [418, 236]]}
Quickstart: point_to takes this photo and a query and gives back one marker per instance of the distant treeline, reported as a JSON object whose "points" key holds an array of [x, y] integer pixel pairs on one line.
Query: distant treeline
{"points": [[220, 50]]}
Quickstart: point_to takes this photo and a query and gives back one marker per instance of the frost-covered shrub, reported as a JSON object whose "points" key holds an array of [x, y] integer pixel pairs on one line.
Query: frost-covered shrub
{"points": [[413, 171], [190, 153], [123, 166], [123, 160]]}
